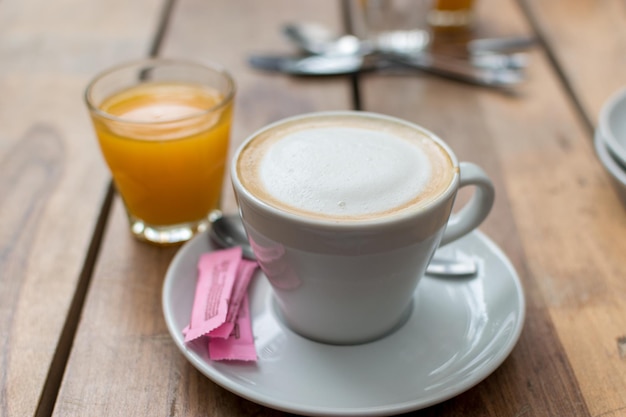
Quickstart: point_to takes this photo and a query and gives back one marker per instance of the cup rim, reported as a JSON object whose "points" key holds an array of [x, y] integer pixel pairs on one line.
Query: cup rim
{"points": [[398, 217], [147, 62], [608, 108]]}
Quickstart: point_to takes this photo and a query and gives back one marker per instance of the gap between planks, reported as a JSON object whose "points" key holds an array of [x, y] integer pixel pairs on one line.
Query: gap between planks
{"points": [[63, 349]]}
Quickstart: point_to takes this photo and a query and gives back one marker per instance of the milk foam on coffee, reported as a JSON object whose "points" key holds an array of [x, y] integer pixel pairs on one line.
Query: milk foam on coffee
{"points": [[344, 167]]}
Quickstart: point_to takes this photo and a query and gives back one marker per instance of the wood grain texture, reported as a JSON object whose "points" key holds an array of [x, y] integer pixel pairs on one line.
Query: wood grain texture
{"points": [[52, 179], [123, 361], [586, 288], [588, 41]]}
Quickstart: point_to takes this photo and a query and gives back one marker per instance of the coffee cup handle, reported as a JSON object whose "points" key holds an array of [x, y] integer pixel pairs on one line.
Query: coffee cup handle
{"points": [[477, 209]]}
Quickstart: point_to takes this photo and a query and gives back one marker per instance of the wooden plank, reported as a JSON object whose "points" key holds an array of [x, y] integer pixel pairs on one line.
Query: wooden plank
{"points": [[588, 42], [589, 45], [52, 178], [123, 361], [535, 149]]}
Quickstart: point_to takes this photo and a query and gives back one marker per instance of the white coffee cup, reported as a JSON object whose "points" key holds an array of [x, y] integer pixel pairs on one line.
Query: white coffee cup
{"points": [[341, 226]]}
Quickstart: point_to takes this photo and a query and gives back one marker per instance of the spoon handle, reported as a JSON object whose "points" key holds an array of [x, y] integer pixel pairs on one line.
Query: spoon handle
{"points": [[502, 45], [449, 68]]}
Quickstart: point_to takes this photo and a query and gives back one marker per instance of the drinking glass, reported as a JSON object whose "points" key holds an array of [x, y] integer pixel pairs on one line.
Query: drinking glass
{"points": [[164, 128]]}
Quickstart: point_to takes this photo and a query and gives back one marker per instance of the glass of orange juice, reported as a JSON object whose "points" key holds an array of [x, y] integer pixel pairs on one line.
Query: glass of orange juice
{"points": [[164, 128], [451, 14]]}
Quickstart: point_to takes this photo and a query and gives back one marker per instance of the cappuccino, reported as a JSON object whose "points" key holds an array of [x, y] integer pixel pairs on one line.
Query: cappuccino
{"points": [[345, 166], [344, 210]]}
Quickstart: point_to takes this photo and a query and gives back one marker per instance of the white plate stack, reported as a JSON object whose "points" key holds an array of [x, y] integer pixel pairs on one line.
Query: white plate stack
{"points": [[610, 140]]}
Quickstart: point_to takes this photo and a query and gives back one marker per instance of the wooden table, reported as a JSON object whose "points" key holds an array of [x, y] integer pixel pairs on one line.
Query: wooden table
{"points": [[80, 301]]}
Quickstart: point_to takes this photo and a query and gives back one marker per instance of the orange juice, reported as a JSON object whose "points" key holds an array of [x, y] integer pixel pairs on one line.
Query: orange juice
{"points": [[451, 13], [166, 145], [453, 4]]}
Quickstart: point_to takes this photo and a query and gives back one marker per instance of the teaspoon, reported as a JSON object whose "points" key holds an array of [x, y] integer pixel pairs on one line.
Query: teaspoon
{"points": [[491, 53], [228, 231], [323, 65]]}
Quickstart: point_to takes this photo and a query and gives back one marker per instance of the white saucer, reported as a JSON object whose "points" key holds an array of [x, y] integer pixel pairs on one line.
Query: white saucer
{"points": [[611, 165], [459, 332]]}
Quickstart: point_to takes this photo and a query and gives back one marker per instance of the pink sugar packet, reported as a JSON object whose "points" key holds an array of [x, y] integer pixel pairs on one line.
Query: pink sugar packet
{"points": [[244, 274], [217, 274], [240, 343]]}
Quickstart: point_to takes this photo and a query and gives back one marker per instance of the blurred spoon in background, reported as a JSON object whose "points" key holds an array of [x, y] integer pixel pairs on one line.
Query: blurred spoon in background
{"points": [[493, 53]]}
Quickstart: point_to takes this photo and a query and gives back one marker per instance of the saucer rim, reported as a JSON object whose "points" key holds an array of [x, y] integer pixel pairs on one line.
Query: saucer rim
{"points": [[215, 375], [609, 162], [613, 144]]}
